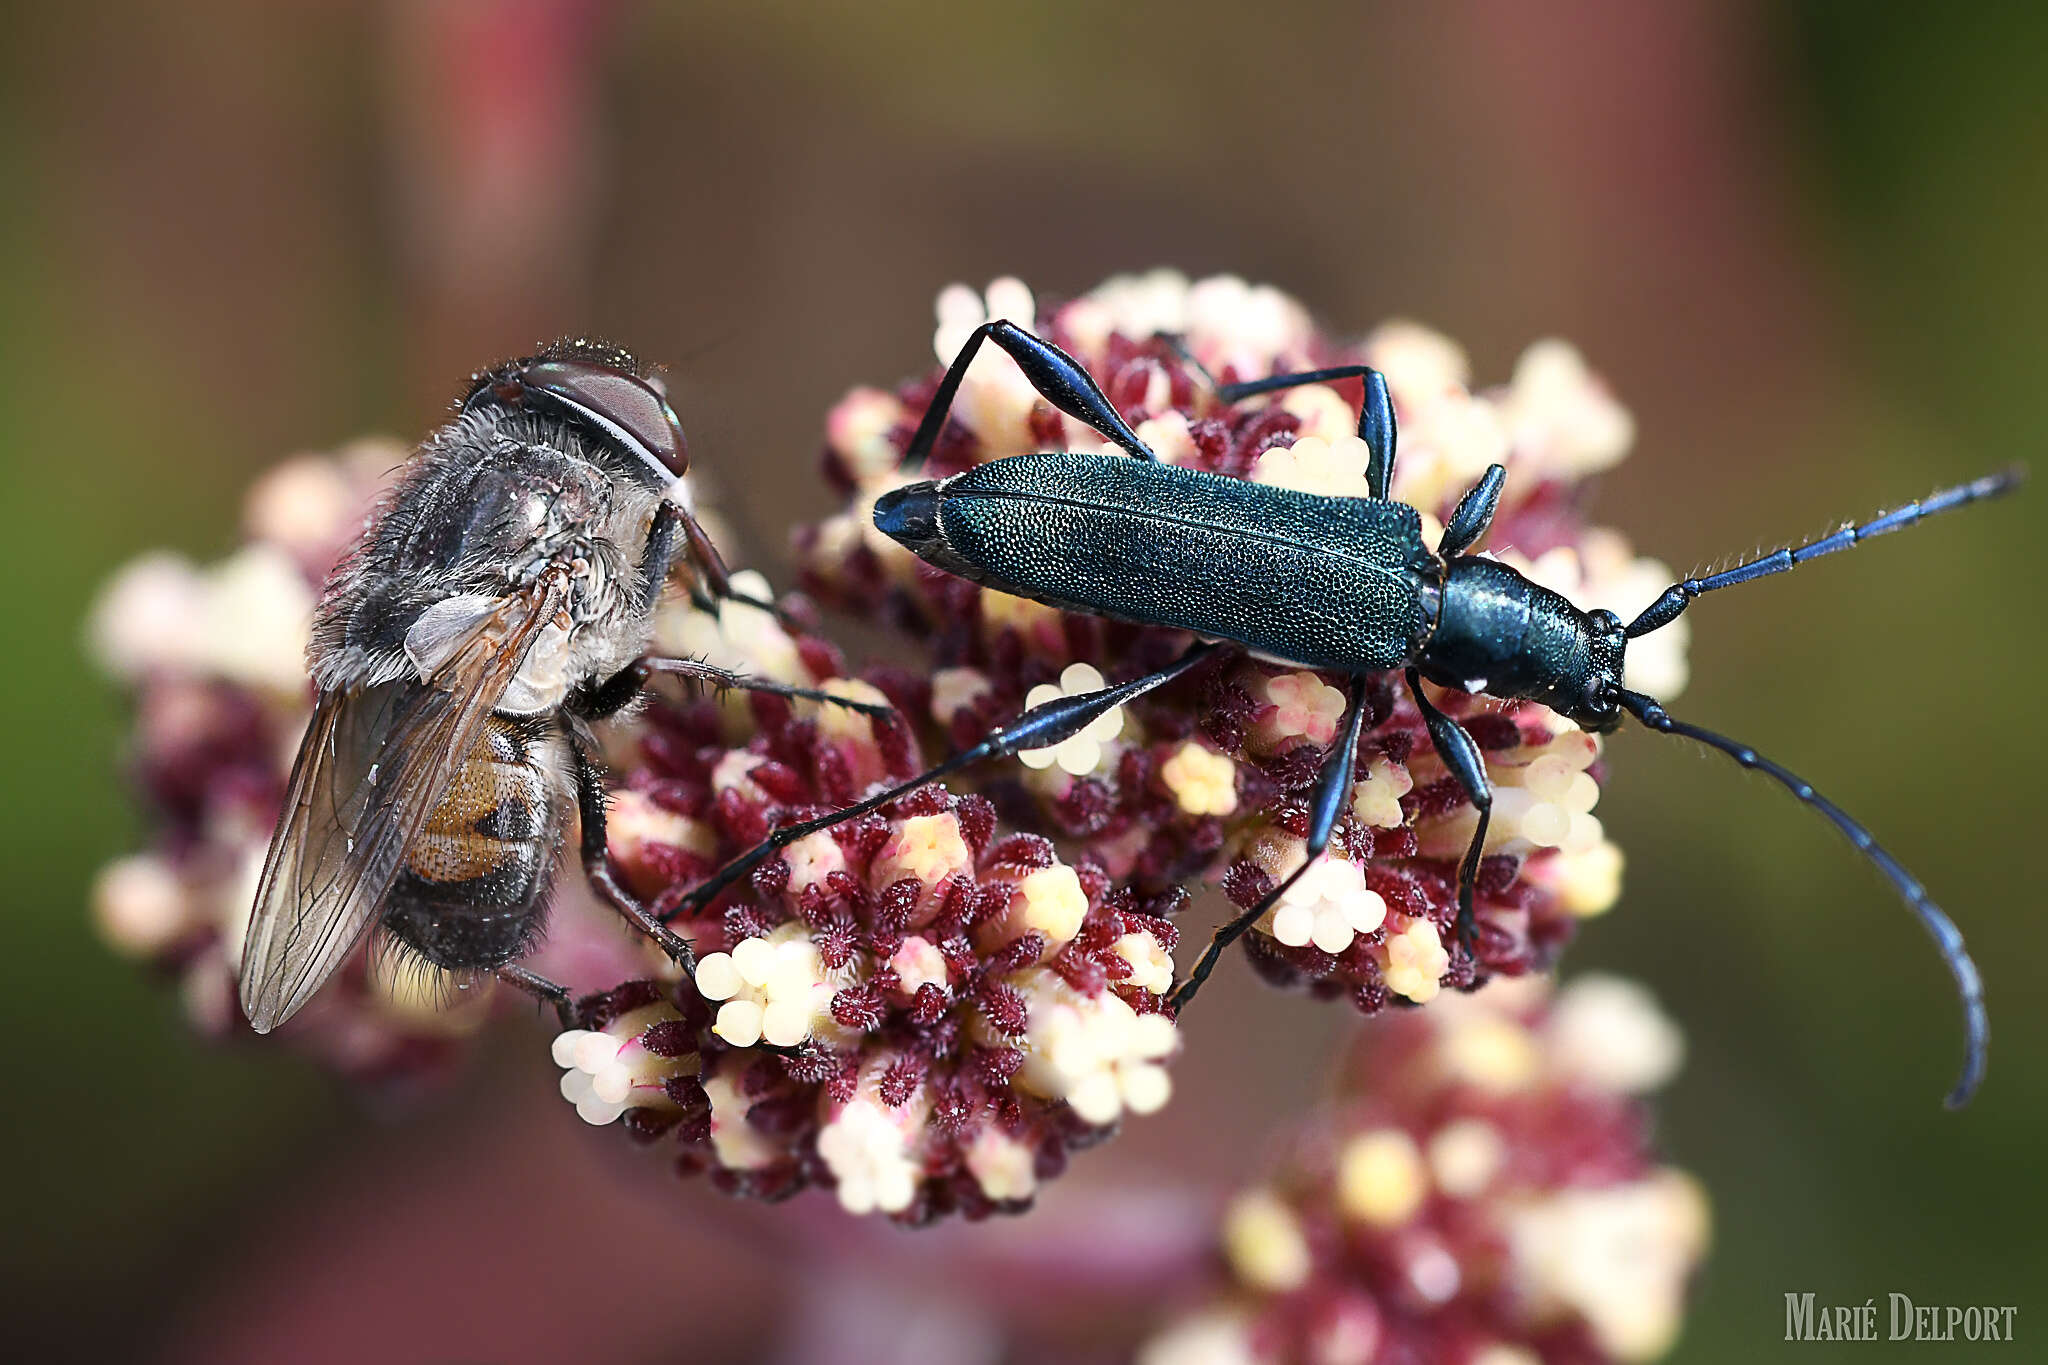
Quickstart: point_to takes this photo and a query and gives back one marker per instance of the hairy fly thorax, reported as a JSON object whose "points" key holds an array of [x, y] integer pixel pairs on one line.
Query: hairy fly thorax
{"points": [[496, 504]]}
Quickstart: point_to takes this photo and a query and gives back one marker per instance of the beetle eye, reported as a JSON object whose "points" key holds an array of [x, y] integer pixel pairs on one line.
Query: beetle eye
{"points": [[630, 407]]}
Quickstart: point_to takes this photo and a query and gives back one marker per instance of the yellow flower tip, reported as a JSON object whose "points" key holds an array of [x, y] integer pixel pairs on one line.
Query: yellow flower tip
{"points": [[1323, 413], [636, 821], [1151, 964], [1489, 1051], [774, 988], [737, 636], [1619, 1256], [1586, 881], [1381, 1179], [1420, 363], [812, 859], [1169, 437], [956, 689], [867, 1148], [255, 616], [995, 400], [608, 1071], [1095, 1052], [1558, 406], [1376, 799], [1416, 962], [1005, 1168], [918, 963], [1464, 1156], [858, 431], [1034, 622], [927, 847], [1303, 706], [734, 772], [1328, 905], [1083, 753], [1333, 468], [738, 1144], [1264, 1243], [739, 1022], [1203, 781], [1610, 1033], [304, 505], [842, 723], [1051, 901], [141, 906]]}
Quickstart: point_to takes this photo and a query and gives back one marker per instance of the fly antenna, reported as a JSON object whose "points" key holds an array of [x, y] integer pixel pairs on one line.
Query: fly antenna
{"points": [[1947, 938], [1679, 596]]}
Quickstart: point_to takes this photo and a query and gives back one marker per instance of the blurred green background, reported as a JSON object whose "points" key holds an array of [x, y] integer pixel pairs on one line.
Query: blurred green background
{"points": [[1802, 241]]}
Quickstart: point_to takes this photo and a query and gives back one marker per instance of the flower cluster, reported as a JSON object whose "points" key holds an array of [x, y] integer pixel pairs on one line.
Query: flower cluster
{"points": [[1477, 1191], [1207, 780], [923, 1010], [913, 1009]]}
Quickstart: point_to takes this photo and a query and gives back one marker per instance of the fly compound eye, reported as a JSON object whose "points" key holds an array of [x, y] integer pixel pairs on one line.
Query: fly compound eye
{"points": [[620, 404]]}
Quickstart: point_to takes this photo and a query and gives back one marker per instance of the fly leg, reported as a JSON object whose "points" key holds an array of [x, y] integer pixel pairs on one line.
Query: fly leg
{"points": [[540, 988], [590, 805], [710, 579]]}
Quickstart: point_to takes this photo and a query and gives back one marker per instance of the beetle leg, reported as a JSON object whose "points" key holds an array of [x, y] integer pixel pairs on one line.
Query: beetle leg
{"points": [[1461, 755], [1177, 342], [590, 805], [1059, 378], [1474, 513], [1331, 795], [1040, 727], [1375, 413], [612, 695], [540, 988]]}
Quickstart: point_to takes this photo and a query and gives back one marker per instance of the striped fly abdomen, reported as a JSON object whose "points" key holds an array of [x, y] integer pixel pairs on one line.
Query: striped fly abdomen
{"points": [[475, 882]]}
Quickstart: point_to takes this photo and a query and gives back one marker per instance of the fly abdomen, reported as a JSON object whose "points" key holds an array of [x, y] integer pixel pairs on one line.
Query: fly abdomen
{"points": [[476, 880]]}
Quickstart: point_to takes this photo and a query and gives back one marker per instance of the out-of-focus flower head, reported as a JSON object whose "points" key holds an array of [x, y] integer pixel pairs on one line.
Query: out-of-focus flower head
{"points": [[1479, 1190], [216, 661], [1207, 780]]}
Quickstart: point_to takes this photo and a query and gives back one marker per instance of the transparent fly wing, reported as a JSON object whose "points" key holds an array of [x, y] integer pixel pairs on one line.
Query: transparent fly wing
{"points": [[375, 763]]}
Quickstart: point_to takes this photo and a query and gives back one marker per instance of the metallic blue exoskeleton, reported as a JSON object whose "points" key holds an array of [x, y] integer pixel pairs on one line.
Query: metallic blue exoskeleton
{"points": [[1340, 584]]}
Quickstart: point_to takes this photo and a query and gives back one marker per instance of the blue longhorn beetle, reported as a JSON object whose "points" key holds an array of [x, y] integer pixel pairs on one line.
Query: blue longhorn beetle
{"points": [[1339, 584]]}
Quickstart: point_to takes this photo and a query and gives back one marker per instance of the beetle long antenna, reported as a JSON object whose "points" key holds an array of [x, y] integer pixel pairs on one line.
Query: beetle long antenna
{"points": [[1947, 938], [1679, 596]]}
